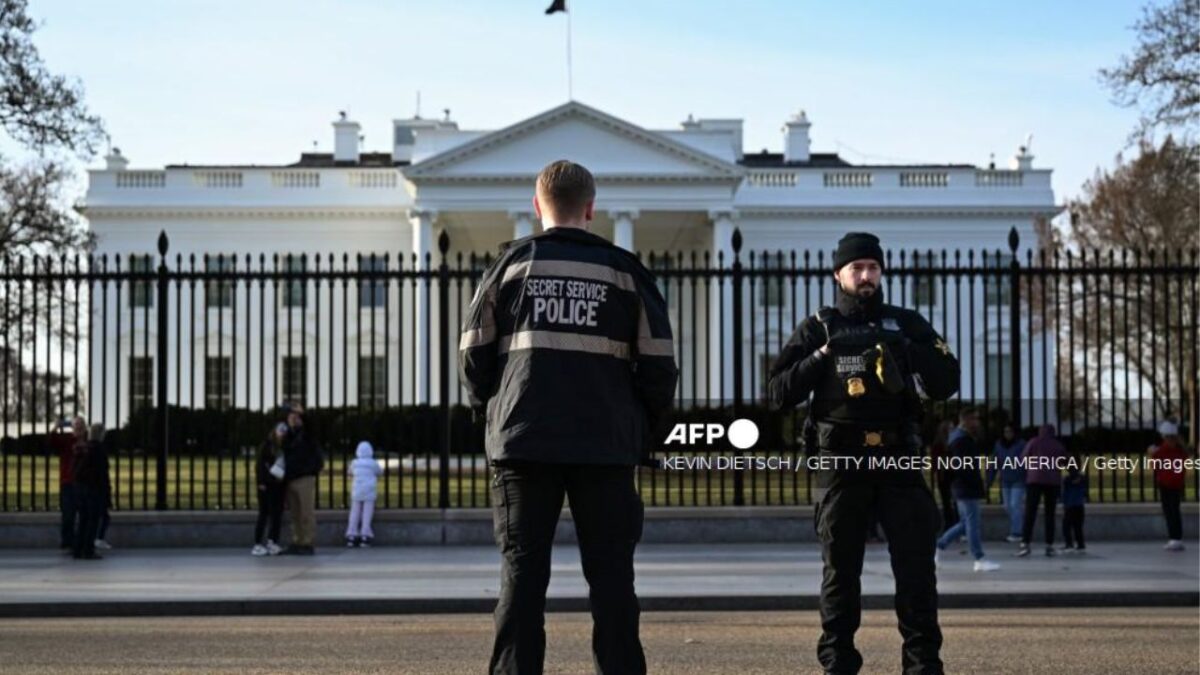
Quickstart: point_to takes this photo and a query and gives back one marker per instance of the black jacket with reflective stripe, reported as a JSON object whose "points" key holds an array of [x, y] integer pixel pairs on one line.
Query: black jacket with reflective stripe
{"points": [[567, 345]]}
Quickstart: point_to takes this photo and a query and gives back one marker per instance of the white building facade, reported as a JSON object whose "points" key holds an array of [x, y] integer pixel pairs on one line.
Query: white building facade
{"points": [[682, 192]]}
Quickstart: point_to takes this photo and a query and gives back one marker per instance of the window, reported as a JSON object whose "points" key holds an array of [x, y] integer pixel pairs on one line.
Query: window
{"points": [[996, 285], [141, 293], [295, 379], [218, 382], [141, 382], [772, 284], [372, 293], [372, 381], [924, 285], [999, 377], [218, 293], [294, 283]]}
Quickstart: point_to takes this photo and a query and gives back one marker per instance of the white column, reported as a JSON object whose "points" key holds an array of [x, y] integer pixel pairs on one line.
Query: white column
{"points": [[522, 223], [623, 227], [721, 306], [422, 244]]}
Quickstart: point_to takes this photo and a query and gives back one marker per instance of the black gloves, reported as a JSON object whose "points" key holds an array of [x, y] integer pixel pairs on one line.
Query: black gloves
{"points": [[879, 358]]}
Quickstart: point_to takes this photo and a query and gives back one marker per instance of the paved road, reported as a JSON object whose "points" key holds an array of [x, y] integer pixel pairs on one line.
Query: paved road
{"points": [[1091, 642]]}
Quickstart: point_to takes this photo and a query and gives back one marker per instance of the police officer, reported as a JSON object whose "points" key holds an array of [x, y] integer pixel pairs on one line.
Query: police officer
{"points": [[568, 347], [860, 365]]}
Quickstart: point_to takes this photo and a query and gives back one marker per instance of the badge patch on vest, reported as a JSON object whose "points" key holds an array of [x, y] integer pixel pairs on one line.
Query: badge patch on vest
{"points": [[890, 324], [873, 439], [846, 365], [855, 387], [942, 347]]}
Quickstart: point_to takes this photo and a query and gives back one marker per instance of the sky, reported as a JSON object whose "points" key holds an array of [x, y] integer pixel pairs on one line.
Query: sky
{"points": [[941, 81]]}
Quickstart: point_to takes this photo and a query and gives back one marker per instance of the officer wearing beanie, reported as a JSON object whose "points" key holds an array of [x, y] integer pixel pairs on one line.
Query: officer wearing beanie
{"points": [[862, 367]]}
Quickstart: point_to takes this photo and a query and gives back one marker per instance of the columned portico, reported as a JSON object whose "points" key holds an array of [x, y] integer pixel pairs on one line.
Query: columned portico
{"points": [[623, 227], [522, 221], [421, 220], [724, 221]]}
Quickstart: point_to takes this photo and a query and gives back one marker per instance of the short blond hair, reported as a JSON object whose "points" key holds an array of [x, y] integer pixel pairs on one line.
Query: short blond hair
{"points": [[565, 188]]}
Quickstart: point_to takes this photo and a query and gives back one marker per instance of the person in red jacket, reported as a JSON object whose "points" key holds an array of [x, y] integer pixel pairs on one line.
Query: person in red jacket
{"points": [[63, 440], [1168, 476]]}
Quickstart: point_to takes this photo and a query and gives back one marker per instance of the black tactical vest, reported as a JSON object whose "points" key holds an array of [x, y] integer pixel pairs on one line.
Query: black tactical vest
{"points": [[868, 383]]}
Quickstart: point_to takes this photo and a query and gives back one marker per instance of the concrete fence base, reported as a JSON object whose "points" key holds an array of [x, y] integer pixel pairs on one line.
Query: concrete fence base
{"points": [[694, 525]]}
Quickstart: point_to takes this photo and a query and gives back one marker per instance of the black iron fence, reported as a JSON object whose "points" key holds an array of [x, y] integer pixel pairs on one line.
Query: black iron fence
{"points": [[184, 359]]}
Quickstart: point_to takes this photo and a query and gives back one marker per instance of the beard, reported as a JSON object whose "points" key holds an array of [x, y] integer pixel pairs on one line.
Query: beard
{"points": [[864, 301]]}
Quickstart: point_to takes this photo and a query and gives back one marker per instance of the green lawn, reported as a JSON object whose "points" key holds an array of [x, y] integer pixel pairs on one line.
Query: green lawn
{"points": [[31, 484]]}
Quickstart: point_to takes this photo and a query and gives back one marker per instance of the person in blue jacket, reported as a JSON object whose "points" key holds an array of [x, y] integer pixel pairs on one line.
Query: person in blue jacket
{"points": [[1074, 496], [1012, 479]]}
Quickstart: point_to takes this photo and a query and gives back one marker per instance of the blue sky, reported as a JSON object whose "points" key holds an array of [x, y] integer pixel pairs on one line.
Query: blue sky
{"points": [[257, 81]]}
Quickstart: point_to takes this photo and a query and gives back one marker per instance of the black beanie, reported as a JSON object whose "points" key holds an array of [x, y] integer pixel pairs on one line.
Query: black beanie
{"points": [[856, 245]]}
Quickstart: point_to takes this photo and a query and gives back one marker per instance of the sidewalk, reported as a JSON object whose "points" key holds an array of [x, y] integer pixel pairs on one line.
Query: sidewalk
{"points": [[424, 579], [473, 526]]}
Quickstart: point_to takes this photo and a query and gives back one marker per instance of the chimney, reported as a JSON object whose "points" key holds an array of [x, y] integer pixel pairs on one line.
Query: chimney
{"points": [[115, 161], [1022, 161], [345, 139], [795, 138]]}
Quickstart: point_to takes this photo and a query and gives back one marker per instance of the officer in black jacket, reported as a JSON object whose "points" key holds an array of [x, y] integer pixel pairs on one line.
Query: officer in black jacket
{"points": [[567, 345], [860, 366]]}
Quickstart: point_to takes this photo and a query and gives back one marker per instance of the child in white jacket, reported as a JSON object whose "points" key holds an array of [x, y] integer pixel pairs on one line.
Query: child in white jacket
{"points": [[365, 472]]}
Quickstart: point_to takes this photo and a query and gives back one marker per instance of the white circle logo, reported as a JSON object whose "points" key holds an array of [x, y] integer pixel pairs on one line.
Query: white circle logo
{"points": [[743, 434]]}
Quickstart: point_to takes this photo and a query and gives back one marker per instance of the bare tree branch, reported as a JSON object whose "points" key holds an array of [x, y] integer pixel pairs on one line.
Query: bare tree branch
{"points": [[1162, 75]]}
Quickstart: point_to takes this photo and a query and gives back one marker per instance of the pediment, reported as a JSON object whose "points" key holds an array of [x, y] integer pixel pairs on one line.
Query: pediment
{"points": [[606, 145]]}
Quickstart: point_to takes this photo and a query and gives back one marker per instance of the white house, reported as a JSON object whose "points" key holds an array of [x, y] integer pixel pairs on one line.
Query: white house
{"points": [[681, 191]]}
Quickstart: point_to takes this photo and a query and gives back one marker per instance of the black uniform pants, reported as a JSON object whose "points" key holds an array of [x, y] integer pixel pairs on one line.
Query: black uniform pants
{"points": [[945, 481], [526, 501], [911, 523]]}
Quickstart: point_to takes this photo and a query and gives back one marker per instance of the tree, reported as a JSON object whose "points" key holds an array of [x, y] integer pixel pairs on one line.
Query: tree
{"points": [[1162, 76], [1140, 328], [1149, 202], [44, 113], [1143, 211]]}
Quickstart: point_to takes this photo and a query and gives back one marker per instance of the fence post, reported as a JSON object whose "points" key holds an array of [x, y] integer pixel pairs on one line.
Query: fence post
{"points": [[161, 427], [739, 498], [1014, 326], [444, 342]]}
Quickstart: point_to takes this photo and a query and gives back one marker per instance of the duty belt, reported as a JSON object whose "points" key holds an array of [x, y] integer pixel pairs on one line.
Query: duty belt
{"points": [[847, 436]]}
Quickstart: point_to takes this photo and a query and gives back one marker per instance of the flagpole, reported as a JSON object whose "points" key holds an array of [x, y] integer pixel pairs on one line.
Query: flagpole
{"points": [[570, 84]]}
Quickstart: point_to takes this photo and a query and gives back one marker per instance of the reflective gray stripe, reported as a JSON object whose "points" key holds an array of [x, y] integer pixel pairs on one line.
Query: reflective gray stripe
{"points": [[570, 268], [476, 337], [573, 342], [486, 332], [647, 344], [655, 347]]}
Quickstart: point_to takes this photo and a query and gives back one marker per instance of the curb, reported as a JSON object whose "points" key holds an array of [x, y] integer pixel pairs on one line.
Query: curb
{"points": [[730, 603]]}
